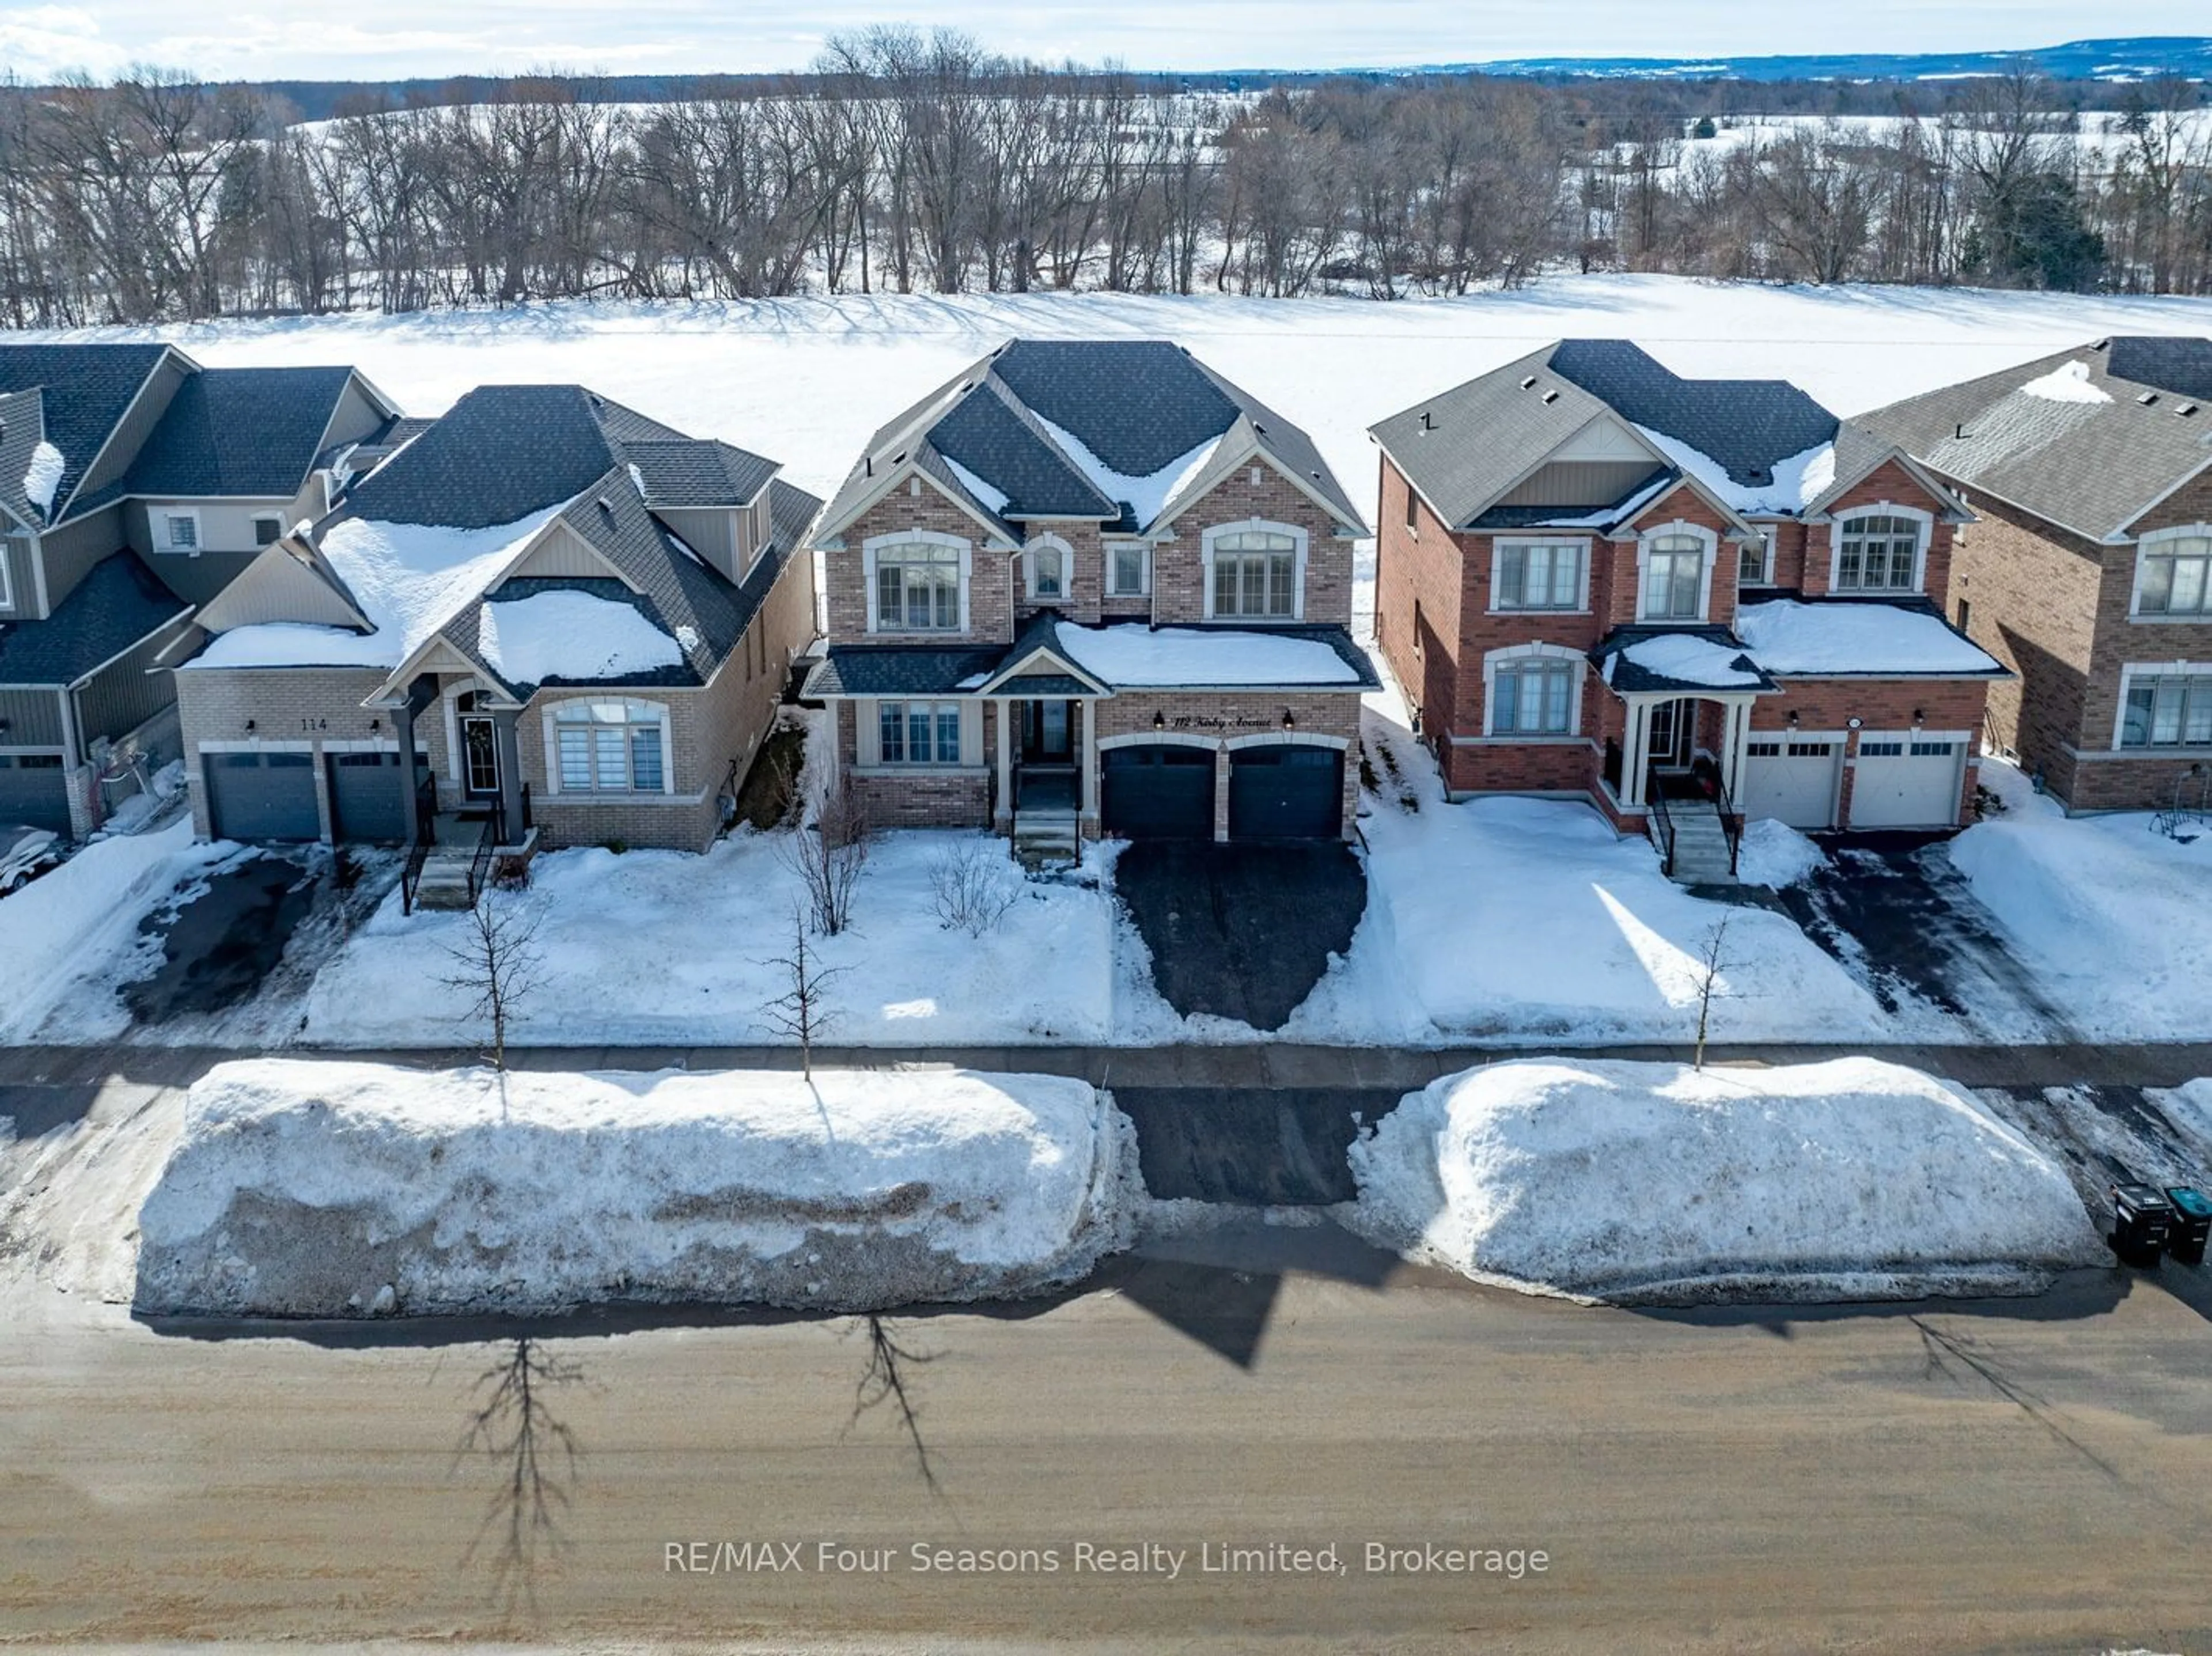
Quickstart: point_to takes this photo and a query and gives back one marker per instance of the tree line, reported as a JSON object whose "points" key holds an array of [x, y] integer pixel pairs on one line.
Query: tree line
{"points": [[905, 161]]}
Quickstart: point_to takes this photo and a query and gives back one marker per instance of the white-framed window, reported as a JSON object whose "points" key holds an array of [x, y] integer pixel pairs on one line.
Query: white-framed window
{"points": [[610, 747], [2174, 572], [1051, 568], [2166, 706], [917, 583], [180, 530], [1532, 690], [1254, 572], [1673, 580], [1539, 575], [7, 590], [268, 529], [1755, 561], [1128, 569], [1880, 551], [918, 732]]}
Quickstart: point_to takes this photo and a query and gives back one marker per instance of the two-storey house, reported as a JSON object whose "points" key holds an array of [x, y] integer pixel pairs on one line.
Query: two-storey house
{"points": [[2088, 569], [1703, 598], [134, 485], [1094, 588], [546, 619]]}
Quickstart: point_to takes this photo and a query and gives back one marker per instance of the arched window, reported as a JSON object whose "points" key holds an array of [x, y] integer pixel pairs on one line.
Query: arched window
{"points": [[1255, 573], [2176, 574], [1878, 552], [610, 747], [1674, 574], [1534, 689], [1048, 569], [917, 587]]}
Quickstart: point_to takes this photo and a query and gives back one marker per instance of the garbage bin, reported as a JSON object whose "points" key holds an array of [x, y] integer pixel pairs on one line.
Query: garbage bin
{"points": [[2191, 1225], [2141, 1218]]}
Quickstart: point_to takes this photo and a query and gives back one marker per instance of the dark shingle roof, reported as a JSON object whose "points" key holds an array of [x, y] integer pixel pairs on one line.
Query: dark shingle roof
{"points": [[89, 389], [1137, 405], [1747, 425], [22, 428], [498, 455], [990, 435], [251, 432], [121, 603], [875, 670], [2182, 366], [689, 473], [1627, 675]]}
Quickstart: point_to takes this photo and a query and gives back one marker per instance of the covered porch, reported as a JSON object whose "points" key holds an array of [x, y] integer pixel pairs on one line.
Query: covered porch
{"points": [[475, 825], [1046, 766]]}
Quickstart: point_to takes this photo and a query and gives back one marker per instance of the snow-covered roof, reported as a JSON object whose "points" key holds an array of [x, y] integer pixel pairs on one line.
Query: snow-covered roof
{"points": [[2069, 382], [1799, 480], [1792, 637], [1134, 656], [43, 476], [1689, 658], [292, 644], [571, 636], [1146, 496]]}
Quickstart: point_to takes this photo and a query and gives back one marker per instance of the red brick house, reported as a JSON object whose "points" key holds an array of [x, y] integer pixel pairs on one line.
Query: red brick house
{"points": [[1094, 588], [1691, 600], [2088, 568]]}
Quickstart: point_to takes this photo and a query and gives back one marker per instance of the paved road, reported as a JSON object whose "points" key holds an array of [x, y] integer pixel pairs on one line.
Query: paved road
{"points": [[2020, 1476]]}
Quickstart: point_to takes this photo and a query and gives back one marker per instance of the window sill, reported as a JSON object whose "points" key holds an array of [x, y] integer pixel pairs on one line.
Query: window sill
{"points": [[1495, 610], [2158, 618], [634, 797], [881, 770]]}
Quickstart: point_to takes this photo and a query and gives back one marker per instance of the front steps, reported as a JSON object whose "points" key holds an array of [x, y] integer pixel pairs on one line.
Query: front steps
{"points": [[1701, 843], [1048, 839]]}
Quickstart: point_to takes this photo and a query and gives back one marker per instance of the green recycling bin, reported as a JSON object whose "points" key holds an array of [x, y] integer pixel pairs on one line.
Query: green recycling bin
{"points": [[2192, 1223]]}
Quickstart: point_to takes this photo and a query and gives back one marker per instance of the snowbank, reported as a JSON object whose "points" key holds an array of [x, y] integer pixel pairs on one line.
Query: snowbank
{"points": [[1855, 1178], [1776, 855], [2114, 921], [572, 636], [350, 1189]]}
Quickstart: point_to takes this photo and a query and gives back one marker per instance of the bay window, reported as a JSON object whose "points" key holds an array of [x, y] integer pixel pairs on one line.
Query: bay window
{"points": [[610, 747], [1673, 567], [917, 587], [1255, 573], [2168, 709], [2176, 576], [1539, 575], [918, 732], [1878, 552]]}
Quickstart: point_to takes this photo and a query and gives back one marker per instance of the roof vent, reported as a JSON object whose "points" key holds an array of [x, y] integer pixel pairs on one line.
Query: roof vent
{"points": [[2102, 345], [606, 505], [1258, 430], [2185, 410], [1959, 433], [867, 465], [1529, 381], [1428, 421], [1550, 397], [2148, 399], [899, 458]]}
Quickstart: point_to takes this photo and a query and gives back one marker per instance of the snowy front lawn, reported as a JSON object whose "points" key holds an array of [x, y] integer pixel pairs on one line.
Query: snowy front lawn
{"points": [[1512, 919], [333, 1190], [1855, 1178], [665, 947], [2113, 921], [69, 933]]}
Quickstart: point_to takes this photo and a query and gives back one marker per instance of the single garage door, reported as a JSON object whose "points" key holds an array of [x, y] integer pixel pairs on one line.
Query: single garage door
{"points": [[1286, 792], [1793, 782], [366, 806], [1907, 781], [33, 791], [1160, 792], [261, 796]]}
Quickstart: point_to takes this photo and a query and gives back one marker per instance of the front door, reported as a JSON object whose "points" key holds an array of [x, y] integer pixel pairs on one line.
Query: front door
{"points": [[1674, 729], [1046, 738], [480, 757]]}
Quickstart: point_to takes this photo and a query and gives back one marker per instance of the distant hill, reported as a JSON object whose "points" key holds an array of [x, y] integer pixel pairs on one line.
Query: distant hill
{"points": [[2133, 59]]}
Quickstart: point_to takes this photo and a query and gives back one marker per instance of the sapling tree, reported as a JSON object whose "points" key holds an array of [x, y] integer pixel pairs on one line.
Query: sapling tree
{"points": [[1709, 985], [495, 960], [802, 1011]]}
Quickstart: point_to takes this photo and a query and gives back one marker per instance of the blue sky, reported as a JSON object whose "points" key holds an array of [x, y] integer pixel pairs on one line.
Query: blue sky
{"points": [[381, 38]]}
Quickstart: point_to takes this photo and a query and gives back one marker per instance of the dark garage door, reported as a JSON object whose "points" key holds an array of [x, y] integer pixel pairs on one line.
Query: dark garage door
{"points": [[1286, 792], [365, 802], [261, 796], [1158, 792], [32, 792]]}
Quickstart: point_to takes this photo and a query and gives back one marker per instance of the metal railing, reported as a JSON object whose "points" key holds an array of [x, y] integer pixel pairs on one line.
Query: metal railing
{"points": [[480, 866], [2178, 812], [1658, 820], [426, 836], [1731, 824]]}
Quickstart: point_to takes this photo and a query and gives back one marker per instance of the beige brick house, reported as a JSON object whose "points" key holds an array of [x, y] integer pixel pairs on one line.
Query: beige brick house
{"points": [[1689, 602], [1094, 588], [546, 621], [2088, 569]]}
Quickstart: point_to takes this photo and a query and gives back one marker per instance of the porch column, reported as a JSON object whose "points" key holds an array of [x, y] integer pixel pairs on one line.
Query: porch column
{"points": [[1739, 732], [1006, 758], [1089, 714], [1634, 755], [420, 695], [510, 775]]}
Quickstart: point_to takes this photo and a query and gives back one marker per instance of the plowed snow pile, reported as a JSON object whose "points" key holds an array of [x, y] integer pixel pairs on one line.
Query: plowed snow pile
{"points": [[332, 1190], [1849, 1179]]}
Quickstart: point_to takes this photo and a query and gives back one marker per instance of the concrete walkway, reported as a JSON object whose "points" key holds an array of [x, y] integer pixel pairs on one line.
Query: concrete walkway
{"points": [[1256, 1065]]}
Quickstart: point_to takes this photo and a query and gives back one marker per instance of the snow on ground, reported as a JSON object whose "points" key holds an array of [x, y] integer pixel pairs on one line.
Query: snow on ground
{"points": [[1850, 1178], [2114, 921], [1773, 854], [667, 947], [1520, 919], [77, 923], [319, 1189]]}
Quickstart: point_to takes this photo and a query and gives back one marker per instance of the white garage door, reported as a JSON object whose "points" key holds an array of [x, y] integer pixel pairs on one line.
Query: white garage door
{"points": [[1907, 781], [1792, 781]]}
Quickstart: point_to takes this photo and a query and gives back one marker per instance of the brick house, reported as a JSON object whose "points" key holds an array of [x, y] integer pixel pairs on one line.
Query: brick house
{"points": [[545, 621], [135, 484], [1094, 588], [1696, 600], [2089, 472]]}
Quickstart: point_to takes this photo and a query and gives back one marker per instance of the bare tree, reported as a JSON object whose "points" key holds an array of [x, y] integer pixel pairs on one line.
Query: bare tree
{"points": [[972, 885], [801, 1011], [829, 855], [1711, 987], [495, 961]]}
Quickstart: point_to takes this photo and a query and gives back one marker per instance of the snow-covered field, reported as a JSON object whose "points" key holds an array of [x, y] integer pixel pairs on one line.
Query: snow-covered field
{"points": [[351, 1189], [1855, 1178], [2114, 921]]}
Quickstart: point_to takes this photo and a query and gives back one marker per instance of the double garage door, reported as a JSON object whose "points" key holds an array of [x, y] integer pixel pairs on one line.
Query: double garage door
{"points": [[1163, 791], [1899, 780], [270, 795]]}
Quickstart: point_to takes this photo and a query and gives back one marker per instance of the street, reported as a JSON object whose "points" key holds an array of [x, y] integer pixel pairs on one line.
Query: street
{"points": [[2007, 1475]]}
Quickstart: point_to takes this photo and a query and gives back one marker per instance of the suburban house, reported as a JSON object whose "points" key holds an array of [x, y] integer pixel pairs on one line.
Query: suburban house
{"points": [[2086, 571], [1094, 588], [545, 621], [1688, 601], [134, 485]]}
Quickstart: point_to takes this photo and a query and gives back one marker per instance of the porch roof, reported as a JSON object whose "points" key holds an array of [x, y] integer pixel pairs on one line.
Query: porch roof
{"points": [[877, 669], [1680, 660]]}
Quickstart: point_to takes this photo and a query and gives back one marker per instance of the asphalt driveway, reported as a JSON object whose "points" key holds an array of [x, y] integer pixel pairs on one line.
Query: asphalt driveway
{"points": [[1240, 931]]}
